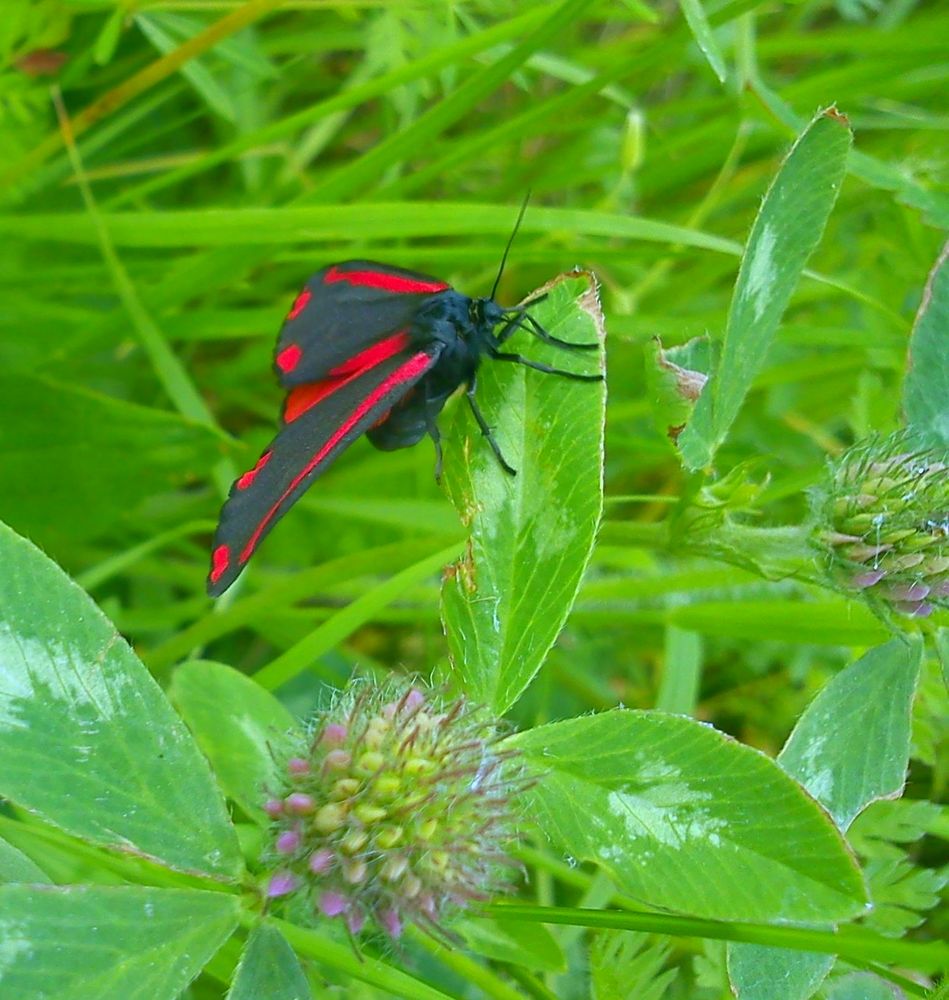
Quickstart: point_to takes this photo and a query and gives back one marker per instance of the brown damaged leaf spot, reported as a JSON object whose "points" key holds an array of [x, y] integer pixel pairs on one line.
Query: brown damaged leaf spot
{"points": [[464, 571], [468, 512], [679, 387], [837, 116], [468, 569], [689, 383], [589, 302]]}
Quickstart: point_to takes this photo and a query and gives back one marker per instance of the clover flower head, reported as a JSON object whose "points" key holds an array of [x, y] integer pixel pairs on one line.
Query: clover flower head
{"points": [[398, 810], [883, 524]]}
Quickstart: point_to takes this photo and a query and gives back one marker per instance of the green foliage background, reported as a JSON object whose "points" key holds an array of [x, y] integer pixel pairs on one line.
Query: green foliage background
{"points": [[224, 151]]}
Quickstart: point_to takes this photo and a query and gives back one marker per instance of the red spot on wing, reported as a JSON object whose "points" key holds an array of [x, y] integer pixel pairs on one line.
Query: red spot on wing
{"points": [[417, 365], [289, 358], [384, 281], [299, 303], [374, 355], [251, 474], [220, 560]]}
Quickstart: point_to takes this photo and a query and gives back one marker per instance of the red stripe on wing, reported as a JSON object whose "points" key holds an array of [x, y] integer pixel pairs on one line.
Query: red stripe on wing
{"points": [[303, 397], [306, 396], [383, 281], [374, 355], [417, 365]]}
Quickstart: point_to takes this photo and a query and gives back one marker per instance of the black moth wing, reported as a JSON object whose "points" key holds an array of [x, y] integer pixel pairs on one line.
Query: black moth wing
{"points": [[342, 313], [414, 415], [322, 420], [404, 425]]}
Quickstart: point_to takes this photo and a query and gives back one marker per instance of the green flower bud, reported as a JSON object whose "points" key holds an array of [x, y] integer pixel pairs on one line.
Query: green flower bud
{"points": [[883, 524]]}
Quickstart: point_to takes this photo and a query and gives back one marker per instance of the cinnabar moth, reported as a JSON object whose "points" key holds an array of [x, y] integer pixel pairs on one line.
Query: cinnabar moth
{"points": [[369, 349]]}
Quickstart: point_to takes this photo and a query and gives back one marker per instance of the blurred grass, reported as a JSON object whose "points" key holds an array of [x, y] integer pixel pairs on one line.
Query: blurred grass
{"points": [[303, 132]]}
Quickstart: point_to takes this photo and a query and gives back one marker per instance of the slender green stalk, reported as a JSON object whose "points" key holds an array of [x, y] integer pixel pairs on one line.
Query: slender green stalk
{"points": [[853, 945]]}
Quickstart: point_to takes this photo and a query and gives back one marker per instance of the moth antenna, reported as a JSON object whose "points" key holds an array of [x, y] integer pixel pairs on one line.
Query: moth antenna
{"points": [[517, 225]]}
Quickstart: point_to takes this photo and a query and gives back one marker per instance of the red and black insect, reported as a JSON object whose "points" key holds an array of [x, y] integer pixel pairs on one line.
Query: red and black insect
{"points": [[366, 349]]}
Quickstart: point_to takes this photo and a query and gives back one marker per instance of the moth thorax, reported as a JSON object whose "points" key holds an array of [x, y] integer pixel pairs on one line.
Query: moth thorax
{"points": [[476, 311], [485, 312]]}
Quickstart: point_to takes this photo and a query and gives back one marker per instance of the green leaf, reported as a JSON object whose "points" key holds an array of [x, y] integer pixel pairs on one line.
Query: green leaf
{"points": [[87, 738], [786, 230], [850, 748], [926, 387], [531, 535], [694, 13], [655, 798], [675, 379], [15, 866], [269, 968], [901, 894], [74, 462], [901, 891], [108, 37], [862, 986], [237, 724], [625, 966], [877, 830], [529, 945], [87, 943], [758, 972], [908, 188]]}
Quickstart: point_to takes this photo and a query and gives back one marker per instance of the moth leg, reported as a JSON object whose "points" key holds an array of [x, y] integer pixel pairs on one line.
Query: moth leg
{"points": [[524, 321], [431, 425], [541, 367], [513, 324], [483, 424], [533, 302], [549, 338]]}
